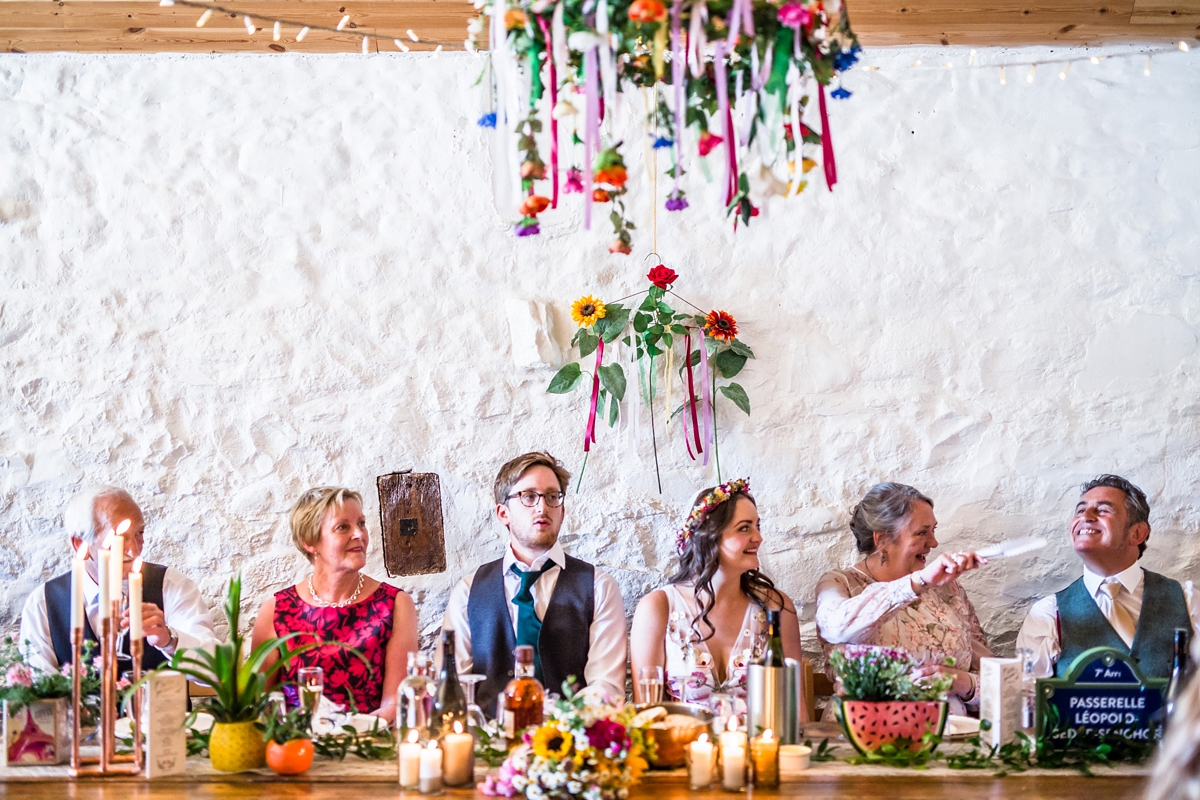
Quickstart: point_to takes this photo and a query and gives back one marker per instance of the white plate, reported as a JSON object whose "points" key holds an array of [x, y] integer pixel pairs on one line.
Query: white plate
{"points": [[961, 726]]}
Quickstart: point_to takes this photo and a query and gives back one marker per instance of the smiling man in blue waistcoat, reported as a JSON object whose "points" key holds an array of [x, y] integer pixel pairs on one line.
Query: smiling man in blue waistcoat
{"points": [[1116, 603], [568, 610]]}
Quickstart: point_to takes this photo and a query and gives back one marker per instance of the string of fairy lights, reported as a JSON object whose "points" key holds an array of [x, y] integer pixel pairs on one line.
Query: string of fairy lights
{"points": [[346, 27]]}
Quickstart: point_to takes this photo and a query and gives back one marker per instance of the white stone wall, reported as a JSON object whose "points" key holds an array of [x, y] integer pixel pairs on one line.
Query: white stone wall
{"points": [[227, 279]]}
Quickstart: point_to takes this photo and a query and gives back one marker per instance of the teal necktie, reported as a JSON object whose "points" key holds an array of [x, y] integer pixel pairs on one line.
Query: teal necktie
{"points": [[529, 627]]}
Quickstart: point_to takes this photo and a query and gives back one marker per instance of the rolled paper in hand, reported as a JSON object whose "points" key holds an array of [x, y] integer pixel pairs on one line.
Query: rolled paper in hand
{"points": [[1012, 547]]}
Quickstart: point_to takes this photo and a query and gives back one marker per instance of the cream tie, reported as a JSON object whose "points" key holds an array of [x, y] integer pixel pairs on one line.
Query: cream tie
{"points": [[1120, 618]]}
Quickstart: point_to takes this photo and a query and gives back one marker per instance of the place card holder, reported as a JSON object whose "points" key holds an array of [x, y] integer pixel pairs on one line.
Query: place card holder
{"points": [[165, 705]]}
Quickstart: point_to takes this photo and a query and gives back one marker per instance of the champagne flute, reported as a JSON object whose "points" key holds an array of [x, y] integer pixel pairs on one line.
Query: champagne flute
{"points": [[312, 685], [650, 683]]}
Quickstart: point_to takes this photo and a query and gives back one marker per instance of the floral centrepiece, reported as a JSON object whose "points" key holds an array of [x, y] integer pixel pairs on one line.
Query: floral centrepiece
{"points": [[731, 75], [586, 748], [652, 334]]}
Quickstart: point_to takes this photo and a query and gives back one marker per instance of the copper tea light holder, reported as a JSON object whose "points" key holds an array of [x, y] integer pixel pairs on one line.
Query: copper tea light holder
{"points": [[109, 762]]}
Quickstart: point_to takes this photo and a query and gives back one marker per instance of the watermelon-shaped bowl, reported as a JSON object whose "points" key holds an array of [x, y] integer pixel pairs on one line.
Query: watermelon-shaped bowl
{"points": [[902, 723]]}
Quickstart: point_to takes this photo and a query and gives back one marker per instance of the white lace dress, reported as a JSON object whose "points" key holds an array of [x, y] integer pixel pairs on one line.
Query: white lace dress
{"points": [[690, 674]]}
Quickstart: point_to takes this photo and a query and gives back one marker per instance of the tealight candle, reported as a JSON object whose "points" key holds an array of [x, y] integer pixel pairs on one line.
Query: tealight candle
{"points": [[410, 762], [764, 757], [458, 761], [135, 601], [733, 758], [78, 573], [429, 774], [793, 759], [700, 763], [102, 576]]}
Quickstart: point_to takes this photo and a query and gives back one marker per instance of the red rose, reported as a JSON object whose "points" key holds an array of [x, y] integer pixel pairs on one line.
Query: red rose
{"points": [[662, 276]]}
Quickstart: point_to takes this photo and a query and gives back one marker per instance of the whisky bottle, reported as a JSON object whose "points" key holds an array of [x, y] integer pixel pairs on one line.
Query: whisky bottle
{"points": [[523, 699]]}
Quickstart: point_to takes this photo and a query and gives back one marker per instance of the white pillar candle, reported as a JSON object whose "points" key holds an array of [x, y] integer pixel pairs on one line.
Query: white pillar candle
{"points": [[135, 601], [78, 573], [116, 567], [733, 757], [700, 762], [458, 747], [102, 576], [429, 774], [410, 762]]}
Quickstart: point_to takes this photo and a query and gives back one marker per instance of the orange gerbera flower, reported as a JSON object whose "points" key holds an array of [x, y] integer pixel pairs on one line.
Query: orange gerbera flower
{"points": [[720, 325], [613, 176]]}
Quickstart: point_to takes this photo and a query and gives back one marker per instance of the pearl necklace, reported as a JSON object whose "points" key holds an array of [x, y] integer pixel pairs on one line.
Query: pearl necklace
{"points": [[342, 604]]}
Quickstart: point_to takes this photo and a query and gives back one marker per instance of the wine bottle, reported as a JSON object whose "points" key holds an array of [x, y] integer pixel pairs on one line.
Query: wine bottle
{"points": [[414, 698], [450, 706], [773, 653], [1179, 672], [524, 697]]}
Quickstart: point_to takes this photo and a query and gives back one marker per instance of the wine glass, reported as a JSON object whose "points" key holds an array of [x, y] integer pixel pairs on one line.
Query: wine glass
{"points": [[475, 718]]}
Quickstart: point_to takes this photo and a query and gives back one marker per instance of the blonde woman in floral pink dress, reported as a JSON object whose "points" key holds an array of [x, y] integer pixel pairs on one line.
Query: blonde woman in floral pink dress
{"points": [[706, 625], [894, 598]]}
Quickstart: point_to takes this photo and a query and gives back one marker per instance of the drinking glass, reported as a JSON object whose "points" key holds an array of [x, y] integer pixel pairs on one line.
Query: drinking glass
{"points": [[312, 685], [475, 718], [650, 684]]}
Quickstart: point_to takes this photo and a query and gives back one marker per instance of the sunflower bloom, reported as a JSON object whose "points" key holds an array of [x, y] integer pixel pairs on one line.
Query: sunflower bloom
{"points": [[720, 325], [550, 742], [586, 310]]}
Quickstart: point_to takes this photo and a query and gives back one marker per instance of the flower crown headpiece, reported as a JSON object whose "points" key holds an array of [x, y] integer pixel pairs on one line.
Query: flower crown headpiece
{"points": [[706, 506]]}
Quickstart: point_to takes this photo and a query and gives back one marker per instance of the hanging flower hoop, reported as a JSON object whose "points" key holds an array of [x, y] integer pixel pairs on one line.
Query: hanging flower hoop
{"points": [[653, 333], [739, 73]]}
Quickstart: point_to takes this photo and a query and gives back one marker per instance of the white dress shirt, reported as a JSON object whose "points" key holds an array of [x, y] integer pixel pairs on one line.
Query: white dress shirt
{"points": [[184, 609], [606, 637], [1039, 632]]}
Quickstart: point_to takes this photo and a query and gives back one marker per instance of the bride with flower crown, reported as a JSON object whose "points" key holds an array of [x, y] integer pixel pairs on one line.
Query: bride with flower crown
{"points": [[709, 623]]}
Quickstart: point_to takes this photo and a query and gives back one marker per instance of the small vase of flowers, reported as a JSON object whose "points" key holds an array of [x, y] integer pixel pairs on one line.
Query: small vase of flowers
{"points": [[36, 708]]}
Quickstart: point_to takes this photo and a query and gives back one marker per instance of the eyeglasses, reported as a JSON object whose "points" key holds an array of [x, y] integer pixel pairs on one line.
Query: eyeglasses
{"points": [[529, 498]]}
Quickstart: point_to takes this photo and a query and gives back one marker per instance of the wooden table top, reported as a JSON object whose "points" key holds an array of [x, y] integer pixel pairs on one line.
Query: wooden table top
{"points": [[914, 786]]}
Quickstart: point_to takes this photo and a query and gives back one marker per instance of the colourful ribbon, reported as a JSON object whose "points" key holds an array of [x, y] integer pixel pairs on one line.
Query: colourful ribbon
{"points": [[589, 435], [692, 393], [591, 132], [678, 76], [727, 117], [706, 405], [742, 14], [553, 103], [697, 39], [826, 142]]}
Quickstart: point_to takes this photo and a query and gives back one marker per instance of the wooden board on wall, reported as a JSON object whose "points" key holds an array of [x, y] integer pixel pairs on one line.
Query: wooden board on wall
{"points": [[410, 517], [114, 26]]}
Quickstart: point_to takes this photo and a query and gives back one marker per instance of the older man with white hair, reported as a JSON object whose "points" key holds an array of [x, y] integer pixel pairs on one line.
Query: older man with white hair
{"points": [[174, 615]]}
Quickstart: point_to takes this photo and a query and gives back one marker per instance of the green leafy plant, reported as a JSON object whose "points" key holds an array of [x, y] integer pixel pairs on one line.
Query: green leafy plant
{"points": [[240, 682], [899, 754], [294, 723], [822, 752], [22, 684], [880, 674], [374, 745]]}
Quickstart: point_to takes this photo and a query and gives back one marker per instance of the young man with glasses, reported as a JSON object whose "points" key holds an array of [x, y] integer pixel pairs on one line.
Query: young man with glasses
{"points": [[568, 610]]}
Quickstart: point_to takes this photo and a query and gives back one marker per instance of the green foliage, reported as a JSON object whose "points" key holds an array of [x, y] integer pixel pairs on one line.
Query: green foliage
{"points": [[612, 378], [565, 379], [378, 744], [728, 363], [21, 684], [738, 395], [881, 674], [610, 326], [294, 723], [899, 754], [822, 752]]}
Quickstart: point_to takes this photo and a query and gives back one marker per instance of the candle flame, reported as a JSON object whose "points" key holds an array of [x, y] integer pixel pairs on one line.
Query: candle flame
{"points": [[703, 738], [767, 735], [412, 736], [107, 544], [137, 567], [82, 552], [732, 725], [433, 744], [457, 727], [123, 527]]}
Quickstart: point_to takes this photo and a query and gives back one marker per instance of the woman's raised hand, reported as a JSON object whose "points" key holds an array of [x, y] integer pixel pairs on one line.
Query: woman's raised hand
{"points": [[945, 568]]}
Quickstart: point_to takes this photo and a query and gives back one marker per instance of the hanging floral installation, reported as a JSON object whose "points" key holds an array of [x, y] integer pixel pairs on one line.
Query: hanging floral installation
{"points": [[701, 61], [653, 334]]}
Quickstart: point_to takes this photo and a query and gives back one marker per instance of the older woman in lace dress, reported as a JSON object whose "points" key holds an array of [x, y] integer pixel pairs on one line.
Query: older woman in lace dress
{"points": [[894, 598]]}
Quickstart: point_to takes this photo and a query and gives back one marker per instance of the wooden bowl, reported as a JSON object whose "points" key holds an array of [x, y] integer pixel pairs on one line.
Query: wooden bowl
{"points": [[672, 739]]}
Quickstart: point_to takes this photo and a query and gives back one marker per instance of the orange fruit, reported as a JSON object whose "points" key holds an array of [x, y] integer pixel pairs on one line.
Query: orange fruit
{"points": [[290, 758]]}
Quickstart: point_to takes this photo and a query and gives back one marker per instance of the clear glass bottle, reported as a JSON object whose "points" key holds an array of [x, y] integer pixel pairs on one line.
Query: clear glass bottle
{"points": [[1179, 671], [450, 703], [524, 697], [1028, 693], [414, 698]]}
